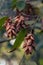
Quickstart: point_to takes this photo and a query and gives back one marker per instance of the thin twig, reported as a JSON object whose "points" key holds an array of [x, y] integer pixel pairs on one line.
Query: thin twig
{"points": [[5, 40]]}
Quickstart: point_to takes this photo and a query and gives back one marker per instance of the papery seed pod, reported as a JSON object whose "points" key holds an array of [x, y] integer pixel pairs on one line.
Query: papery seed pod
{"points": [[23, 25], [18, 28], [19, 22], [8, 21], [19, 18], [29, 44], [28, 36], [28, 9], [13, 28], [10, 29], [33, 46], [30, 49], [27, 51]]}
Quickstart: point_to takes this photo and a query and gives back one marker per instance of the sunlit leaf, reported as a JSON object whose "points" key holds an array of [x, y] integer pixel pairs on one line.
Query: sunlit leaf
{"points": [[19, 39]]}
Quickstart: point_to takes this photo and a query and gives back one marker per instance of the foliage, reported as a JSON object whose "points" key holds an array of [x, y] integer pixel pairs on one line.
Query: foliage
{"points": [[13, 4], [19, 38], [2, 21], [18, 4]]}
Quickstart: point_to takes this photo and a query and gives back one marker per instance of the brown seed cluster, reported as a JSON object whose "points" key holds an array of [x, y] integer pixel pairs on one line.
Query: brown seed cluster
{"points": [[29, 44], [12, 28], [28, 12], [19, 22]]}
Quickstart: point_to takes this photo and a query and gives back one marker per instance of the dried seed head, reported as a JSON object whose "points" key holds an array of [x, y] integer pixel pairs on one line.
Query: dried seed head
{"points": [[10, 29], [29, 44]]}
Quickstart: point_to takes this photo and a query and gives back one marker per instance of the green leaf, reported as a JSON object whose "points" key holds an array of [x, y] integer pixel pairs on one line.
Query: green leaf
{"points": [[20, 5], [13, 5], [19, 38], [2, 21]]}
